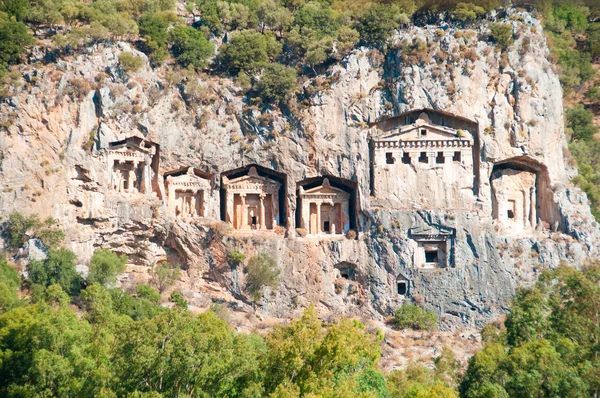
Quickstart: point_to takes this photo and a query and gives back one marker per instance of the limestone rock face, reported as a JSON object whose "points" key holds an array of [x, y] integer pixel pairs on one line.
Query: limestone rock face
{"points": [[54, 162]]}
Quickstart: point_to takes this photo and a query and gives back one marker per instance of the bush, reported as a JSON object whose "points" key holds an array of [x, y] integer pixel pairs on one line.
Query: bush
{"points": [[10, 282], [501, 34], [154, 28], [235, 258], [277, 83], [14, 38], [130, 62], [146, 292], [164, 275], [248, 51], [58, 268], [178, 299], [190, 47], [19, 229], [411, 316], [581, 122], [378, 24], [262, 272], [105, 266]]}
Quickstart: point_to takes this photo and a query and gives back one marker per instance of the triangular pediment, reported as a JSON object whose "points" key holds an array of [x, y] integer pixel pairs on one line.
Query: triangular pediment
{"points": [[323, 190], [431, 231], [135, 144], [406, 130], [251, 182]]}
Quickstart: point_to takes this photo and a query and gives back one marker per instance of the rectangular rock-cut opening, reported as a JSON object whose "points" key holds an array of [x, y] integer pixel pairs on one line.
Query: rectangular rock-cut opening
{"points": [[512, 209], [326, 226], [402, 288], [456, 157], [431, 256], [423, 132], [406, 158], [423, 157], [439, 159], [389, 158]]}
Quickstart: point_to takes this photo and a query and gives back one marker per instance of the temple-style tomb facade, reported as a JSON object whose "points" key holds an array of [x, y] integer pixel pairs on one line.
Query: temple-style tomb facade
{"points": [[190, 193], [251, 200], [133, 166], [514, 199], [434, 246], [423, 159], [324, 209]]}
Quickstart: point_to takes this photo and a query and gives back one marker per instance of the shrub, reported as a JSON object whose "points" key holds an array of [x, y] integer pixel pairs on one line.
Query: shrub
{"points": [[262, 272], [58, 268], [13, 39], [130, 62], [19, 229], [164, 275], [501, 34], [414, 317], [10, 282], [154, 28], [378, 24], [190, 47], [235, 258], [146, 292], [468, 12], [581, 122], [105, 266], [277, 82], [178, 299], [248, 51]]}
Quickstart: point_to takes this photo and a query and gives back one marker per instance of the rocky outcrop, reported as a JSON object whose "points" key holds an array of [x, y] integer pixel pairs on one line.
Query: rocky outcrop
{"points": [[60, 123]]}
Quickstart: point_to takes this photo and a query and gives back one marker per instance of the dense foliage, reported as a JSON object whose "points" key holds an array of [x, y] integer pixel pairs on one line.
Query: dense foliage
{"points": [[549, 346], [61, 335]]}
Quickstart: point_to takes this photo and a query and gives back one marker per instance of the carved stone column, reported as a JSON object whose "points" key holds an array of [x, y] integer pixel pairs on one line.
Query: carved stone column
{"points": [[262, 211], [318, 217], [244, 216], [532, 204]]}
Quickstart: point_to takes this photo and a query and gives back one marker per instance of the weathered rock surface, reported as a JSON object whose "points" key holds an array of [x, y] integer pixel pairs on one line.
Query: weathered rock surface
{"points": [[61, 121]]}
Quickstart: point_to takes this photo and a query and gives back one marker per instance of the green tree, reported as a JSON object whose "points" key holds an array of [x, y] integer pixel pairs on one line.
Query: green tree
{"points": [[414, 317], [105, 265], [190, 47], [44, 352], [57, 268], [154, 28], [581, 123], [277, 83], [15, 8], [378, 24], [261, 272], [201, 357], [148, 293], [552, 341], [10, 282], [19, 229], [248, 51], [316, 17], [164, 275]]}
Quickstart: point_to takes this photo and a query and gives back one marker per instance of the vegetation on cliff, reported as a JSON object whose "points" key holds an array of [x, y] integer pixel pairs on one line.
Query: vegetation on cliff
{"points": [[105, 342]]}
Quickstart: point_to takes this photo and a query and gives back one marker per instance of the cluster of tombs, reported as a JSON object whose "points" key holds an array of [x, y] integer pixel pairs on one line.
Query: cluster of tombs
{"points": [[422, 159], [249, 198]]}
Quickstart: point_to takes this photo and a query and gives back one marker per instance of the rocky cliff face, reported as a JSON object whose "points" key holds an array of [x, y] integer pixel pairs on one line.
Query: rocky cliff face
{"points": [[59, 124]]}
